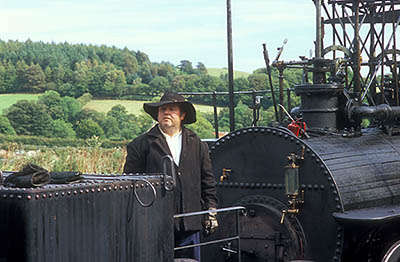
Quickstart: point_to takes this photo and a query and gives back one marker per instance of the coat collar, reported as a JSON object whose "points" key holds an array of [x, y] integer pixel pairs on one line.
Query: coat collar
{"points": [[159, 139], [155, 132]]}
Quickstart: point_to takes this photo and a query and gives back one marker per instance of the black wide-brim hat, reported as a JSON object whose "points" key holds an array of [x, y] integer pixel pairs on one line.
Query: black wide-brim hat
{"points": [[172, 98]]}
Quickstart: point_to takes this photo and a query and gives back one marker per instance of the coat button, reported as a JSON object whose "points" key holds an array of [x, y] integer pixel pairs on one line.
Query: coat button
{"points": [[179, 173]]}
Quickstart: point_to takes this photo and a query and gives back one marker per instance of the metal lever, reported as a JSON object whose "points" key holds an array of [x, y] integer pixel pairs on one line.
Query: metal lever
{"points": [[229, 250], [165, 160]]}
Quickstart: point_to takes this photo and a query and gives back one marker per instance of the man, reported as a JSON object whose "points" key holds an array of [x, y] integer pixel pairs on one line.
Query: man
{"points": [[195, 186]]}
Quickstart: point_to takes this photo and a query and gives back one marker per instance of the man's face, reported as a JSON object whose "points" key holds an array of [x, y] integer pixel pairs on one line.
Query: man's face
{"points": [[170, 115]]}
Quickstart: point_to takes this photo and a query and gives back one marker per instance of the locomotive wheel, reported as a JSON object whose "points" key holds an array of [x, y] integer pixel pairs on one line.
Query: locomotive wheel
{"points": [[393, 253], [263, 237]]}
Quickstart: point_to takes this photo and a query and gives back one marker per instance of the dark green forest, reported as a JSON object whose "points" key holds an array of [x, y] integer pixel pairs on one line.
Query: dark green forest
{"points": [[69, 75]]}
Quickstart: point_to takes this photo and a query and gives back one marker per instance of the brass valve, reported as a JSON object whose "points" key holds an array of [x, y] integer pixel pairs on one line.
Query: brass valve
{"points": [[225, 174]]}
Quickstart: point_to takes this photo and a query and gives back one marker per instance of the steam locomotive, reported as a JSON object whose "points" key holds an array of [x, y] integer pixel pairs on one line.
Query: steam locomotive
{"points": [[319, 187], [325, 185]]}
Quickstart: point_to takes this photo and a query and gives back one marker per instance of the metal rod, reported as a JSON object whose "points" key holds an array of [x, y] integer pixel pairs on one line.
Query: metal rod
{"points": [[281, 93], [383, 57], [230, 66], [356, 53], [238, 234], [334, 28], [266, 58], [254, 109], [225, 93], [289, 102], [396, 79], [218, 210], [318, 48], [344, 41], [215, 114], [335, 32], [207, 243]]}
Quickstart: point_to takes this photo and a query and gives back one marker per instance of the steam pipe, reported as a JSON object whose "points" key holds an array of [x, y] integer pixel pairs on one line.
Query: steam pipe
{"points": [[382, 112]]}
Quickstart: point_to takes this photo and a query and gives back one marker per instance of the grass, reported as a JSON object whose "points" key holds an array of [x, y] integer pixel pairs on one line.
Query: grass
{"points": [[218, 71], [132, 106], [83, 159], [6, 100]]}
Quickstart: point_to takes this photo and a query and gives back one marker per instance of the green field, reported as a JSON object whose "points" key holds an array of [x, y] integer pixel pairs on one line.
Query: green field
{"points": [[7, 100], [218, 71], [134, 107], [100, 105]]}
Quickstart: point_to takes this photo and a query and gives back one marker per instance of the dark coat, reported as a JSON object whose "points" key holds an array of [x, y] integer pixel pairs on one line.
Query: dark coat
{"points": [[196, 186]]}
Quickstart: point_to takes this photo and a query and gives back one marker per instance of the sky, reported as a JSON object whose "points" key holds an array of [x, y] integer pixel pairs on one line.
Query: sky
{"points": [[169, 30]]}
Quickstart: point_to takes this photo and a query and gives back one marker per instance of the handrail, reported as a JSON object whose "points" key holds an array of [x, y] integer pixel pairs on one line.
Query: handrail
{"points": [[220, 210]]}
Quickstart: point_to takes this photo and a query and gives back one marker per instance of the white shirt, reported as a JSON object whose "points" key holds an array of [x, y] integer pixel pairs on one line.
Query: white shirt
{"points": [[175, 145]]}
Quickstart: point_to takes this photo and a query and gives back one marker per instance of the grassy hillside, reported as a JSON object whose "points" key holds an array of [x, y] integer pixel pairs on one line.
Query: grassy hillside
{"points": [[7, 100], [99, 105], [218, 71], [132, 106]]}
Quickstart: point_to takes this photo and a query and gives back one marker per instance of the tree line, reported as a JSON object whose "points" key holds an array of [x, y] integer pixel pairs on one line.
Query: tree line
{"points": [[69, 75], [110, 72]]}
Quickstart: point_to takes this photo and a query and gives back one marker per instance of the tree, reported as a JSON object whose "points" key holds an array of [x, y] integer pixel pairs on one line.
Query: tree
{"points": [[35, 79], [258, 81], [166, 70], [3, 87], [114, 83], [29, 118], [159, 85], [111, 128], [52, 100], [202, 127], [70, 108], [88, 128], [81, 79], [10, 77], [186, 66], [201, 69], [21, 67], [62, 129], [5, 126]]}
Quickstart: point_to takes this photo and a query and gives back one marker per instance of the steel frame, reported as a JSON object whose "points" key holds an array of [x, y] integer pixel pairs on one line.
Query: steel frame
{"points": [[346, 19]]}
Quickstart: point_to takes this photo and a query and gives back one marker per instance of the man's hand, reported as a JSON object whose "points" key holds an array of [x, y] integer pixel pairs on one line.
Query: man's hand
{"points": [[211, 222]]}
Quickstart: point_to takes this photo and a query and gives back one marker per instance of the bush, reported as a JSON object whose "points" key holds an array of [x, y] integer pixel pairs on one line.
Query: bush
{"points": [[5, 126], [85, 98], [88, 128]]}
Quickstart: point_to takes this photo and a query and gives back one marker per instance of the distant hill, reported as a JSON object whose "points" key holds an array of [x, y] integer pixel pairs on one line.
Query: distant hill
{"points": [[218, 71]]}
